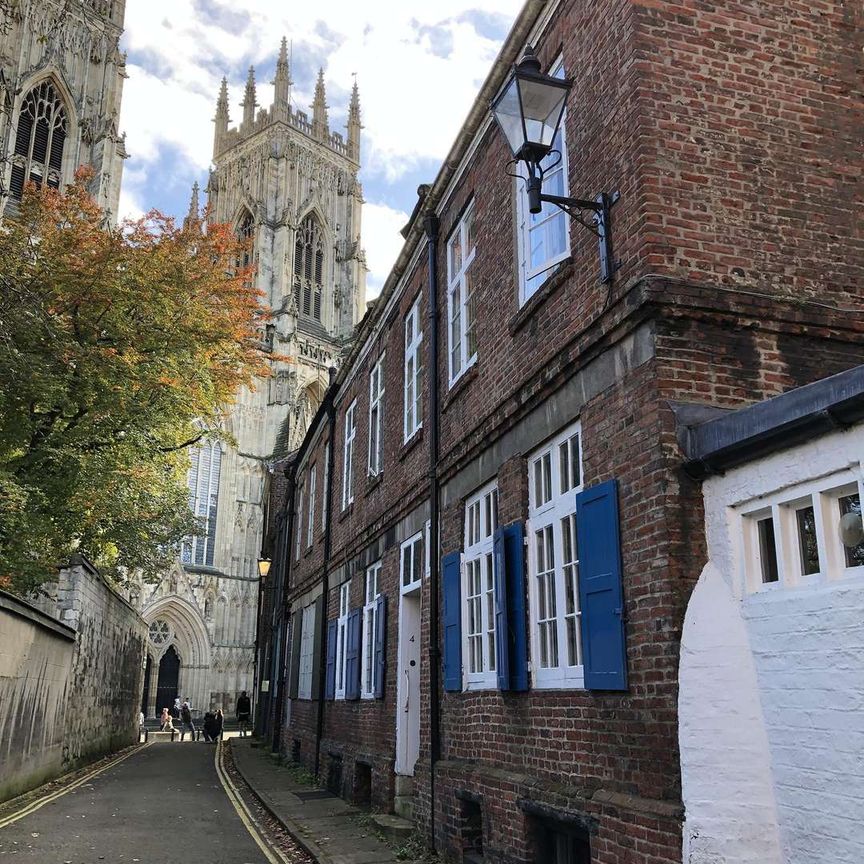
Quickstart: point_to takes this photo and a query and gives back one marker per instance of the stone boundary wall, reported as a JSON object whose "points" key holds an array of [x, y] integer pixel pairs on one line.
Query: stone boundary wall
{"points": [[71, 667]]}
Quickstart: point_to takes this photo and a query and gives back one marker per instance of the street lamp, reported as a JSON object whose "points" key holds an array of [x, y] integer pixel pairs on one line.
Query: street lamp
{"points": [[264, 568], [529, 111]]}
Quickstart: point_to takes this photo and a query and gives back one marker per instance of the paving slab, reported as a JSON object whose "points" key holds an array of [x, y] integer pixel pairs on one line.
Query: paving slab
{"points": [[327, 827]]}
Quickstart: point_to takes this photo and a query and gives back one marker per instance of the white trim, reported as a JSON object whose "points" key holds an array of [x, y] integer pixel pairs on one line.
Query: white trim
{"points": [[412, 374], [348, 455], [307, 652], [411, 567], [310, 522], [342, 638], [824, 495], [371, 593], [554, 518], [481, 520], [375, 460], [301, 488], [324, 487], [464, 241]]}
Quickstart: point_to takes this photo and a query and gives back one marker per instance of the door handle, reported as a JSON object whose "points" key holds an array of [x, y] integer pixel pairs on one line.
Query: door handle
{"points": [[407, 690]]}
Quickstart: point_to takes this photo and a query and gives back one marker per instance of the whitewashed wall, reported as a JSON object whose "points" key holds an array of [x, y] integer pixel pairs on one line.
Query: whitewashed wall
{"points": [[772, 686]]}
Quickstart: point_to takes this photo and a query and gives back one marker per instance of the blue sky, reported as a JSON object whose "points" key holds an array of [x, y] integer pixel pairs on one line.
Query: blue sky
{"points": [[418, 65]]}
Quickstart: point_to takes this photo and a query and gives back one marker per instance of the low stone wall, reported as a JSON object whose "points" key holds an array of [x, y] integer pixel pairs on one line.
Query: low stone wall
{"points": [[71, 668]]}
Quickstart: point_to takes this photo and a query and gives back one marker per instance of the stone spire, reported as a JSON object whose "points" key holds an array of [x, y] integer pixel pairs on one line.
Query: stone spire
{"points": [[354, 126], [249, 102], [194, 214], [320, 124], [283, 81], [221, 120]]}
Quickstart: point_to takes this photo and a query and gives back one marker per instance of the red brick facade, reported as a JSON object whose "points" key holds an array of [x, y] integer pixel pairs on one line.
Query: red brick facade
{"points": [[730, 131]]}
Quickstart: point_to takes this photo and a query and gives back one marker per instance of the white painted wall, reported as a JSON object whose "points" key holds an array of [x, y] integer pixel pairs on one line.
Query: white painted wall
{"points": [[772, 686]]}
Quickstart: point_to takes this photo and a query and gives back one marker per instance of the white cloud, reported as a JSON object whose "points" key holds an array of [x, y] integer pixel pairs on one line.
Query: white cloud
{"points": [[381, 237], [418, 66]]}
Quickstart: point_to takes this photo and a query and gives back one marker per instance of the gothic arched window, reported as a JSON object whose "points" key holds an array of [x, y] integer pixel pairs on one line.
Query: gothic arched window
{"points": [[309, 267], [246, 235], [203, 481], [40, 140]]}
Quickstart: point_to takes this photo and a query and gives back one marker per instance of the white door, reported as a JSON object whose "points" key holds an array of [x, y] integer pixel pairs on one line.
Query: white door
{"points": [[408, 691]]}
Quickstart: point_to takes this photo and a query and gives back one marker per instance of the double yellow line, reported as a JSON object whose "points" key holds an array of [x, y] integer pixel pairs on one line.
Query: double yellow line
{"points": [[47, 799], [271, 853]]}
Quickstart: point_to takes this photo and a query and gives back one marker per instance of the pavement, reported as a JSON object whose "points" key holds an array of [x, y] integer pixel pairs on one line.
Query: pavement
{"points": [[164, 803], [330, 829]]}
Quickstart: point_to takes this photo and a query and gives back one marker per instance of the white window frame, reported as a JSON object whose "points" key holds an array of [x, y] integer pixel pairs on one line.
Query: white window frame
{"points": [[310, 522], [413, 374], [324, 490], [348, 454], [299, 516], [530, 278], [414, 564], [371, 593], [342, 637], [202, 480], [824, 496], [307, 652], [458, 310], [478, 562], [375, 461], [547, 514]]}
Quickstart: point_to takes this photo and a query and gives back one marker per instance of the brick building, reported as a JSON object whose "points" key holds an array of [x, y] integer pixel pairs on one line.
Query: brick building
{"points": [[450, 652]]}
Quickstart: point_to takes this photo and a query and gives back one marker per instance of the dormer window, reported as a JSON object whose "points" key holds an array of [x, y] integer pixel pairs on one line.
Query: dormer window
{"points": [[309, 268], [40, 140]]}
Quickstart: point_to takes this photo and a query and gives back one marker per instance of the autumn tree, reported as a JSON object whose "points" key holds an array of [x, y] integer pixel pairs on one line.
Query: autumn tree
{"points": [[119, 348]]}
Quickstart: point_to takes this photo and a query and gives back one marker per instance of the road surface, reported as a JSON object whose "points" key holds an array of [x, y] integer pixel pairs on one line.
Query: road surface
{"points": [[163, 805]]}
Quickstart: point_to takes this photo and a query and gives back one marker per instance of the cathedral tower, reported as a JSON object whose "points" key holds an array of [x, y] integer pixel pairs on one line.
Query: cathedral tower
{"points": [[290, 185], [61, 82]]}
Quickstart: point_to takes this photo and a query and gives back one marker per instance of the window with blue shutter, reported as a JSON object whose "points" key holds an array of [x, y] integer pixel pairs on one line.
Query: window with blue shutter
{"points": [[450, 588], [510, 627], [330, 678], [380, 644], [352, 656], [601, 596]]}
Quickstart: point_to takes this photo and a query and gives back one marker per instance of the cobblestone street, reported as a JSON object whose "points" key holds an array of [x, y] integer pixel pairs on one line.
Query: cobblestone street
{"points": [[163, 803]]}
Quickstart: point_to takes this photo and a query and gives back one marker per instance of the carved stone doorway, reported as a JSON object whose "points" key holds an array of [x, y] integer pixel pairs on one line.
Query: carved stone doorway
{"points": [[168, 683]]}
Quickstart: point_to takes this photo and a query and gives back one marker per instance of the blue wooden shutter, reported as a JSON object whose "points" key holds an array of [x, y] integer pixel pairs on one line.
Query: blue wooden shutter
{"points": [[330, 679], [600, 594], [352, 656], [514, 559], [502, 626], [380, 644], [451, 577]]}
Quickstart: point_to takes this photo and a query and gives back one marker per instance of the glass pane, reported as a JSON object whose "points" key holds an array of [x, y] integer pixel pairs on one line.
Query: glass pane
{"points": [[469, 231], [854, 554], [542, 106], [768, 550], [455, 254], [509, 116], [808, 544]]}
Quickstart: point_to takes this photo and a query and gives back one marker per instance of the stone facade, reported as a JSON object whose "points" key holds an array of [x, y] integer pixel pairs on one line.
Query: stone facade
{"points": [[289, 185], [61, 62], [510, 768], [71, 670]]}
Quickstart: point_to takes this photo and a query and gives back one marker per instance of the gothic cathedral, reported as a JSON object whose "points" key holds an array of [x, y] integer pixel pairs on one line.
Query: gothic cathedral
{"points": [[290, 185], [61, 81]]}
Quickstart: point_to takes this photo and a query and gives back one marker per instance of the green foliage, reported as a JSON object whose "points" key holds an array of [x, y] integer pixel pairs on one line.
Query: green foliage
{"points": [[119, 349]]}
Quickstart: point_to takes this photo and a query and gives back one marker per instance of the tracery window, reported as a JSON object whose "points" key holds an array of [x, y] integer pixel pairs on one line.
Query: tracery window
{"points": [[203, 481], [309, 267], [246, 233], [40, 140]]}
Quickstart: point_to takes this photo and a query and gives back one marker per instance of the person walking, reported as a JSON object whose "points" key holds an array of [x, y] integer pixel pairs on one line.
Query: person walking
{"points": [[165, 721], [244, 711], [218, 724], [186, 720], [175, 710]]}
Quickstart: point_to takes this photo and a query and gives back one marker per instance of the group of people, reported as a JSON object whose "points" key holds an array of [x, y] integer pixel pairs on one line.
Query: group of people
{"points": [[212, 727], [214, 721]]}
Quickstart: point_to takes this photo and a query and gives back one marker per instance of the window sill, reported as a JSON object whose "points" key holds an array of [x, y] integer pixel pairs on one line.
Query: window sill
{"points": [[346, 512], [309, 551], [459, 385], [411, 443], [557, 278], [373, 481], [479, 684]]}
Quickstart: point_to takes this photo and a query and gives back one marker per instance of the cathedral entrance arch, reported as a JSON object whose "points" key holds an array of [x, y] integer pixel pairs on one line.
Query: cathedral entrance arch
{"points": [[168, 683]]}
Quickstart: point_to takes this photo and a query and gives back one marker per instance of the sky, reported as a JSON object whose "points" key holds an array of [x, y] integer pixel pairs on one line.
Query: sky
{"points": [[418, 64]]}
